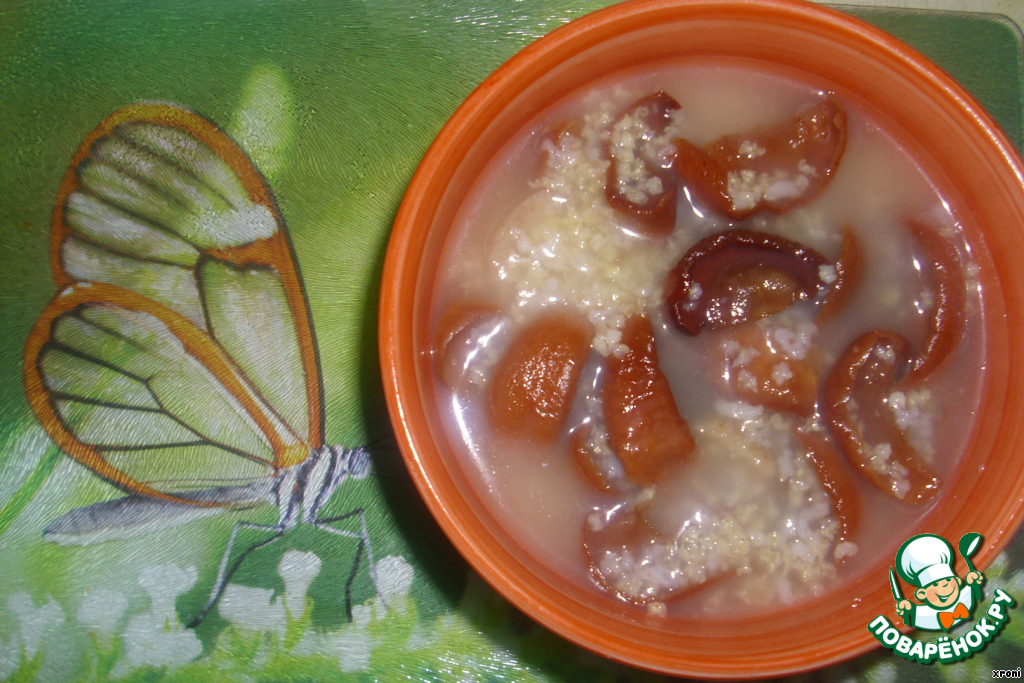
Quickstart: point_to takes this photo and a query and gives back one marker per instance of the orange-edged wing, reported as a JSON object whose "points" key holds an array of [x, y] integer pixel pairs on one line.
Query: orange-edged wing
{"points": [[157, 200], [145, 398]]}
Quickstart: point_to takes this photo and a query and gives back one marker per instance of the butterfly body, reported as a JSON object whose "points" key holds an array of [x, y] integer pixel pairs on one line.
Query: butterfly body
{"points": [[298, 493], [301, 491]]}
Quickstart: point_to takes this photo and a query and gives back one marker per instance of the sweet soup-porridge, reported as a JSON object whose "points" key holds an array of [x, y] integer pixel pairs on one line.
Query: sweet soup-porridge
{"points": [[708, 339]]}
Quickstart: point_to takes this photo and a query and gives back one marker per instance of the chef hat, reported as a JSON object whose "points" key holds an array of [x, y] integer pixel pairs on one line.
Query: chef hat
{"points": [[925, 558]]}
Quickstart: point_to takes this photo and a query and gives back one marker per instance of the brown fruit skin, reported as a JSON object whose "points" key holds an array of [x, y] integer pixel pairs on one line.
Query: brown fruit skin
{"points": [[836, 479], [534, 384], [455, 322], [583, 461], [797, 395], [946, 326], [855, 412], [816, 136], [743, 276], [626, 529], [848, 269], [656, 218], [645, 428]]}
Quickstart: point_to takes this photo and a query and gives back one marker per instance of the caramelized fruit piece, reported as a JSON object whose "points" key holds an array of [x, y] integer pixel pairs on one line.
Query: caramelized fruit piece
{"points": [[856, 393], [835, 477], [584, 460], [556, 137], [644, 426], [772, 169], [641, 183], [618, 533], [756, 371], [847, 268], [534, 383], [452, 336], [620, 545], [856, 411], [946, 326], [739, 276]]}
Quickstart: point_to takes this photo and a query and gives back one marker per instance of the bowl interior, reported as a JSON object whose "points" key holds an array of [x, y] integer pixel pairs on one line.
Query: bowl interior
{"points": [[961, 151]]}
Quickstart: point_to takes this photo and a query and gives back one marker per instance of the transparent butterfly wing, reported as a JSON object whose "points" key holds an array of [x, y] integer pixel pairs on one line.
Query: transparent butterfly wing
{"points": [[158, 200], [180, 350], [145, 398]]}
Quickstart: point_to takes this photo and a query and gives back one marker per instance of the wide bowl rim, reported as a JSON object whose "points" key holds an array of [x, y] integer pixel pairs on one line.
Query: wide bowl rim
{"points": [[398, 297]]}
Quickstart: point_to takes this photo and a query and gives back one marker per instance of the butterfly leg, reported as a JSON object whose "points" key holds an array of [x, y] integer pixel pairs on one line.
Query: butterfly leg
{"points": [[351, 579], [364, 543], [224, 574]]}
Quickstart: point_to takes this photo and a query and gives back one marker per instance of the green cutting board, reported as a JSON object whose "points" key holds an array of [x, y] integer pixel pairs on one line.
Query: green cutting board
{"points": [[335, 102]]}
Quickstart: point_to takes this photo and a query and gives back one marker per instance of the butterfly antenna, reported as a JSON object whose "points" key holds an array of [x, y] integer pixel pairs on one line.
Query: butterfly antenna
{"points": [[381, 441], [378, 444], [392, 477]]}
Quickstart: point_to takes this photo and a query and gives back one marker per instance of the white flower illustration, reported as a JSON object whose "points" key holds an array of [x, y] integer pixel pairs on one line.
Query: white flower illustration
{"points": [[35, 623], [156, 638], [256, 609], [394, 577], [101, 610], [297, 570], [353, 645], [252, 609], [353, 649]]}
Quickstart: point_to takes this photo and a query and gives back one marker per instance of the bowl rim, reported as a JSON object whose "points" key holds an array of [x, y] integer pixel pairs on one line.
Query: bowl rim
{"points": [[398, 299]]}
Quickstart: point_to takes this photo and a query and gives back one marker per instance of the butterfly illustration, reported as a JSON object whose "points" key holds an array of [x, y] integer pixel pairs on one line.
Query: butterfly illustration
{"points": [[178, 360]]}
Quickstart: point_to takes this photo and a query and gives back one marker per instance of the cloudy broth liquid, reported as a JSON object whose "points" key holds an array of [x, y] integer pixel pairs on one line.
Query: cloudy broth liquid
{"points": [[753, 525]]}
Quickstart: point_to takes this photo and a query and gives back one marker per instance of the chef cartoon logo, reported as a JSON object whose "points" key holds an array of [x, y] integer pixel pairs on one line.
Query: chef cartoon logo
{"points": [[941, 600], [926, 561]]}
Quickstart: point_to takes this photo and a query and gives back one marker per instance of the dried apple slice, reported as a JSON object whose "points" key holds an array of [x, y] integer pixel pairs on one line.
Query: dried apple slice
{"points": [[583, 456], [641, 182], [615, 542], [835, 478], [946, 325], [456, 338], [739, 276], [877, 363], [774, 168], [533, 385], [630, 560], [846, 274], [757, 370], [556, 139], [855, 409], [645, 429]]}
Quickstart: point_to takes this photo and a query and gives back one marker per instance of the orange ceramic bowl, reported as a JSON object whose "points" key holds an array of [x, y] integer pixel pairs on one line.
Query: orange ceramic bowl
{"points": [[943, 127]]}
